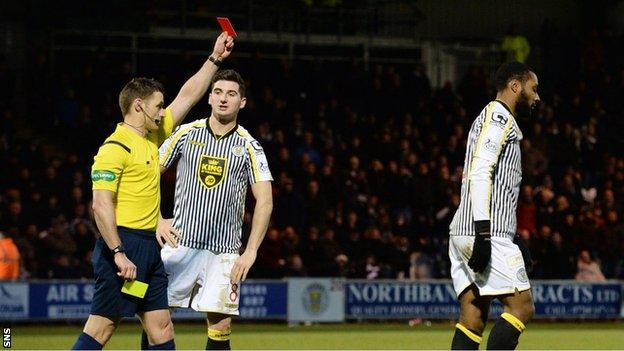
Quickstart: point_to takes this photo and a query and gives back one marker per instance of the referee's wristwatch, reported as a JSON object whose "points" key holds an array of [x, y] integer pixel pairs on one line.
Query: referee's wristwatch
{"points": [[216, 61], [118, 249]]}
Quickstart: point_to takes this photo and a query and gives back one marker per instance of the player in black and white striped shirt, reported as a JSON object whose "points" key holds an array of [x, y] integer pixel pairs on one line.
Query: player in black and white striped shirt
{"points": [[486, 262], [217, 160]]}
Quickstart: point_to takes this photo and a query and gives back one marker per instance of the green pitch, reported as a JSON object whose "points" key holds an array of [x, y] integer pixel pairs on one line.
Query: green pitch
{"points": [[335, 336]]}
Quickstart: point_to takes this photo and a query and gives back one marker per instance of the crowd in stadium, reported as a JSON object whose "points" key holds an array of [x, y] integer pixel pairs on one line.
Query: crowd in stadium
{"points": [[367, 163]]}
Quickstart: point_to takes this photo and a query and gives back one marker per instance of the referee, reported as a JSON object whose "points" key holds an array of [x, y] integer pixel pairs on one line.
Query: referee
{"points": [[486, 261], [126, 205], [217, 161]]}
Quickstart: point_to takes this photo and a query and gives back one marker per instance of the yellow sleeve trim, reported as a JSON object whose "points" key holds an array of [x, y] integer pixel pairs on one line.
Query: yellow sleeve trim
{"points": [[474, 337], [180, 133], [219, 335], [242, 132], [254, 163], [486, 124], [513, 321]]}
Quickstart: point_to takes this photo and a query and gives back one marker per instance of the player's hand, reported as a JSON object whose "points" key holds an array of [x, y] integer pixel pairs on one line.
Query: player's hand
{"points": [[166, 233], [526, 253], [481, 248], [223, 46], [242, 265], [127, 269]]}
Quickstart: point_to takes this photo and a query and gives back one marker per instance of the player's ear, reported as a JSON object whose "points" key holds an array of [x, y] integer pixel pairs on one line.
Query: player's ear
{"points": [[243, 103], [514, 85]]}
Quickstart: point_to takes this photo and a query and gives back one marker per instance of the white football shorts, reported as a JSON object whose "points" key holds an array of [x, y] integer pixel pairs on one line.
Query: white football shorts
{"points": [[505, 272], [200, 279]]}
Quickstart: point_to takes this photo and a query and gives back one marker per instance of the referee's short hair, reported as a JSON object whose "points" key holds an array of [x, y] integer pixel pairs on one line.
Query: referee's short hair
{"points": [[232, 76], [509, 71], [140, 88]]}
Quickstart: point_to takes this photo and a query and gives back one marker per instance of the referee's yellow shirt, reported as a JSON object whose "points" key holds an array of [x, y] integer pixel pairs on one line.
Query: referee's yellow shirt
{"points": [[127, 164]]}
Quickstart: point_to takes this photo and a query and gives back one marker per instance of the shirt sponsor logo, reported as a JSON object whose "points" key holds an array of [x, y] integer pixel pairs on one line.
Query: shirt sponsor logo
{"points": [[515, 261], [197, 143], [103, 175], [256, 146], [13, 301], [211, 170], [499, 120]]}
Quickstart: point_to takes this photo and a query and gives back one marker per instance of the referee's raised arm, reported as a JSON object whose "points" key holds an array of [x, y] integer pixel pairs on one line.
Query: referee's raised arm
{"points": [[196, 86]]}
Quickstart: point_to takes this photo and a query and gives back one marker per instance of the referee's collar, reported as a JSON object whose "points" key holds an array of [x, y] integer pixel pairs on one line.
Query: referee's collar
{"points": [[230, 132]]}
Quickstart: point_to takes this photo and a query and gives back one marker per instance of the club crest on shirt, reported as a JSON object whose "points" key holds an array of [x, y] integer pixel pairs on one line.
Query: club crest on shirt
{"points": [[211, 170], [238, 151], [522, 275]]}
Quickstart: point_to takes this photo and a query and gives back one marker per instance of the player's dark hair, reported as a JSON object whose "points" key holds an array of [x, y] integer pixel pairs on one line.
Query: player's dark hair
{"points": [[140, 88], [509, 71], [232, 76]]}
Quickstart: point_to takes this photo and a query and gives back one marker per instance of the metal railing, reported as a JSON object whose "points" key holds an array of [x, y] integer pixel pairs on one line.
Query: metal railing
{"points": [[444, 61], [368, 18]]}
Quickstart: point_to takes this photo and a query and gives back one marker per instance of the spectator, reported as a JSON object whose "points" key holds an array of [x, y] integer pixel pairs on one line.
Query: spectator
{"points": [[588, 270], [527, 210], [420, 266], [311, 251], [9, 258], [54, 243], [535, 163], [288, 206], [329, 251], [372, 268], [295, 267], [515, 46], [271, 261]]}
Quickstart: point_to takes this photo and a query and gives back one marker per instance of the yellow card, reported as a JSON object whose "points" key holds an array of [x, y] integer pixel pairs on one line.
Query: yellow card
{"points": [[134, 288]]}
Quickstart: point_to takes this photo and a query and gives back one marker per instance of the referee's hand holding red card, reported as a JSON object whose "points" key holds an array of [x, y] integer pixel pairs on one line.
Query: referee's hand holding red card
{"points": [[223, 46]]}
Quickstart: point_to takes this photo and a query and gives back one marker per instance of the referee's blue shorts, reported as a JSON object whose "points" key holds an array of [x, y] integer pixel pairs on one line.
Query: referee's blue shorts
{"points": [[143, 250]]}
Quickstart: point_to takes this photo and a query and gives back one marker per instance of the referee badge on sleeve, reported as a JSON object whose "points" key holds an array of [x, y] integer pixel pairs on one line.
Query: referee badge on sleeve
{"points": [[104, 175], [211, 170]]}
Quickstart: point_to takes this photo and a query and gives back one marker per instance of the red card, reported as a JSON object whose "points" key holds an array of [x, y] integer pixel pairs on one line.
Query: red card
{"points": [[226, 26]]}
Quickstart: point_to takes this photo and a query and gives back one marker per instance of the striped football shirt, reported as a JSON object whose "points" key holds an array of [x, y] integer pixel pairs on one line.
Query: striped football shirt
{"points": [[492, 174], [212, 177]]}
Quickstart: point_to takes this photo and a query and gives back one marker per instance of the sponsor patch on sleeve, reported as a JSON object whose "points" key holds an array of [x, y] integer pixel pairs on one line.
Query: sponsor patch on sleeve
{"points": [[499, 120], [256, 146], [102, 175], [263, 167], [491, 146]]}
